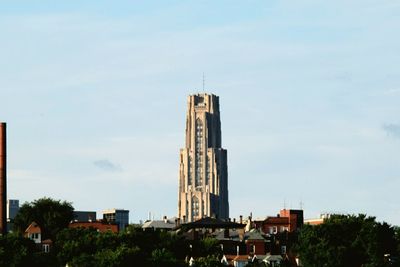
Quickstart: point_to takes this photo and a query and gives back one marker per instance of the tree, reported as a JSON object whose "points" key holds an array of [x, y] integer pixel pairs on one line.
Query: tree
{"points": [[16, 251], [50, 215], [208, 261], [162, 258], [346, 240]]}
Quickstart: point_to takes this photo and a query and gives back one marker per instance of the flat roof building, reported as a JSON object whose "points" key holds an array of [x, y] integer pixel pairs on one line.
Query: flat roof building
{"points": [[117, 216], [84, 216], [12, 209]]}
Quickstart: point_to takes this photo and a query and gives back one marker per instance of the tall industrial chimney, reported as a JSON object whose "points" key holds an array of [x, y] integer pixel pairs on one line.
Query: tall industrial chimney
{"points": [[3, 178]]}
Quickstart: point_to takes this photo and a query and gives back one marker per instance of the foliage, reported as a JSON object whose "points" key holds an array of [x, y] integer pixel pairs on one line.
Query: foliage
{"points": [[346, 240], [162, 257], [16, 251], [208, 261], [87, 247], [50, 215]]}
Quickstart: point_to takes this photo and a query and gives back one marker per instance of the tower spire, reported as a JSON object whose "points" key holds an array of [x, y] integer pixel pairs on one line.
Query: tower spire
{"points": [[203, 82]]}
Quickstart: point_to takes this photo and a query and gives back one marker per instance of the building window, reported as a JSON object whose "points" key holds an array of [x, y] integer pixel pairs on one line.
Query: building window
{"points": [[208, 170], [199, 152], [195, 207], [273, 229], [46, 248], [190, 169]]}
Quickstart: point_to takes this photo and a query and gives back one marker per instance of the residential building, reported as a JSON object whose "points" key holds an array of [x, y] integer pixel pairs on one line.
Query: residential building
{"points": [[203, 170], [296, 218], [34, 233], [286, 220], [117, 216], [255, 242]]}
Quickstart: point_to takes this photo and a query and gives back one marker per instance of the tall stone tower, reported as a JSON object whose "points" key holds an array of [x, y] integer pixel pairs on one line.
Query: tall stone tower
{"points": [[203, 170]]}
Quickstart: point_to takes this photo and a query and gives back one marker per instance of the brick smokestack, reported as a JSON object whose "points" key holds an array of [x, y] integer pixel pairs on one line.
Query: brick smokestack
{"points": [[3, 179]]}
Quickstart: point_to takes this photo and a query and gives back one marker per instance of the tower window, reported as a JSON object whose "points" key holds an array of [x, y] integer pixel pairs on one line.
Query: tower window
{"points": [[195, 207], [198, 149]]}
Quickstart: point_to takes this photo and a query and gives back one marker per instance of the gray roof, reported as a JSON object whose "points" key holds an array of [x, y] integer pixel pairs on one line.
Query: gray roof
{"points": [[159, 224], [254, 234], [233, 235]]}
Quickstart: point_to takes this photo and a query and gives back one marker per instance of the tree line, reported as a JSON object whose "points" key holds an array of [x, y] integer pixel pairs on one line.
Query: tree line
{"points": [[341, 241]]}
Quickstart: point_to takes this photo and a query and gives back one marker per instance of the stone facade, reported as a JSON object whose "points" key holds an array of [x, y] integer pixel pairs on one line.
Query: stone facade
{"points": [[203, 171]]}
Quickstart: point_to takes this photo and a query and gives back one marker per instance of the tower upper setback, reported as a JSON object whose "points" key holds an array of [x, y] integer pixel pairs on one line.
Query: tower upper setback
{"points": [[203, 175]]}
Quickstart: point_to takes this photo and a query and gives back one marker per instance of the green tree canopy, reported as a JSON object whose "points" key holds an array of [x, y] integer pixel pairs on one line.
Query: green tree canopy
{"points": [[346, 240], [16, 251], [50, 215]]}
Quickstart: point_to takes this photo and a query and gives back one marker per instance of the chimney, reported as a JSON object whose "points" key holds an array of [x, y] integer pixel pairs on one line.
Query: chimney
{"points": [[3, 179], [165, 219], [241, 219]]}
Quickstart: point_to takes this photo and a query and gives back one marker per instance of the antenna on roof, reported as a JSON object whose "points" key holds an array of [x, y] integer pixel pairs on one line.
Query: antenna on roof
{"points": [[301, 204], [203, 81], [284, 203]]}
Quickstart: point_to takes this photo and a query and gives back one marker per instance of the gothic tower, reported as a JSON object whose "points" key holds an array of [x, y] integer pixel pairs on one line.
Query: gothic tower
{"points": [[203, 170]]}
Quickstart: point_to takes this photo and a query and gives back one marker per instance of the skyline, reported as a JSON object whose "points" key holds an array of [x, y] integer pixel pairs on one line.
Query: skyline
{"points": [[94, 96]]}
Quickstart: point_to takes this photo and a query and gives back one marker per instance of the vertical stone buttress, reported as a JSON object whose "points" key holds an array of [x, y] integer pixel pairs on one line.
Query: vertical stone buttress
{"points": [[203, 171], [3, 179]]}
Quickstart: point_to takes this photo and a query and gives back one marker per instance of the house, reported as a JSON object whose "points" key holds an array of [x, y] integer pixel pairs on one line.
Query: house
{"points": [[34, 233], [286, 220], [255, 242]]}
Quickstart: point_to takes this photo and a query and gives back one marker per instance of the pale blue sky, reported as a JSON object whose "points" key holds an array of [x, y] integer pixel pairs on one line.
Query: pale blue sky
{"points": [[94, 94]]}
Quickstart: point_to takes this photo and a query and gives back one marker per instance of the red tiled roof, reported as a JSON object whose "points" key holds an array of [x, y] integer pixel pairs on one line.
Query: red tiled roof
{"points": [[241, 258], [33, 228], [102, 227]]}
